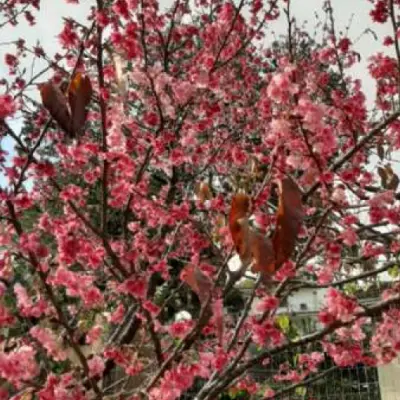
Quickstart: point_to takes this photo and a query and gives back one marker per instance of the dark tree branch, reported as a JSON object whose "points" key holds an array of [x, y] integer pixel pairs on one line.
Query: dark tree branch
{"points": [[103, 112]]}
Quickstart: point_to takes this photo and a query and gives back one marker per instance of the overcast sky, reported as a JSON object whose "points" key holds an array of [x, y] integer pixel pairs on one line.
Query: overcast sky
{"points": [[49, 23]]}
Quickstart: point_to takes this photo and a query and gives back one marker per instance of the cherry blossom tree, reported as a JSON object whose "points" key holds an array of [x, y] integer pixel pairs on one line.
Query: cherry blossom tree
{"points": [[165, 145]]}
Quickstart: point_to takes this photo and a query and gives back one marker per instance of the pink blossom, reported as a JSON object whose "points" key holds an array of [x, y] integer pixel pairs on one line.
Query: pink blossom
{"points": [[311, 361], [152, 308], [120, 8], [7, 106], [48, 340], [6, 318], [344, 45], [249, 385], [281, 88], [125, 359], [339, 196], [180, 329], [26, 306], [135, 287], [78, 285], [183, 91], [68, 37], [96, 366], [18, 365], [101, 225], [11, 61], [339, 306], [286, 271], [71, 192], [385, 342], [354, 331], [349, 237], [94, 334], [312, 114], [382, 199], [174, 383], [267, 303], [266, 333], [118, 315], [63, 387], [269, 393], [346, 354], [162, 268], [380, 12], [291, 376]]}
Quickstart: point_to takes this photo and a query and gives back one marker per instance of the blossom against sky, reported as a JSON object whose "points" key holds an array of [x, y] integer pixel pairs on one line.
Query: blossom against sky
{"points": [[353, 14]]}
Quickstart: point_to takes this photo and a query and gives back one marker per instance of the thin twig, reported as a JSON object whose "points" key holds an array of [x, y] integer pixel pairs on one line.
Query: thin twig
{"points": [[245, 313]]}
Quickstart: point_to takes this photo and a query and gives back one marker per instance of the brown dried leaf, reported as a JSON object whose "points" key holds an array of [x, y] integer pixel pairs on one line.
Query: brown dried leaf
{"points": [[238, 224], [200, 283], [267, 256], [262, 252], [394, 182], [203, 192], [289, 219], [383, 174], [381, 151], [56, 103], [79, 95]]}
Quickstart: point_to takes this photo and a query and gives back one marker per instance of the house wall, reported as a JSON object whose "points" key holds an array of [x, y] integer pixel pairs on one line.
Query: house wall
{"points": [[389, 380], [302, 301], [312, 299]]}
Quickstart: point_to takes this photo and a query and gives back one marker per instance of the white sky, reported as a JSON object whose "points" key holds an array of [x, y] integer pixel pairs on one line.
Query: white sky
{"points": [[49, 23]]}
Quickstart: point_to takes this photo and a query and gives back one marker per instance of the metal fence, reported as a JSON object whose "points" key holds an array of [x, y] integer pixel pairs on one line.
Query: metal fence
{"points": [[360, 382], [351, 383]]}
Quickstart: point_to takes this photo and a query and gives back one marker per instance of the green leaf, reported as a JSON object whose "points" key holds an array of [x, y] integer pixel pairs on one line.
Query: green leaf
{"points": [[350, 288], [301, 391], [283, 322], [237, 394], [394, 272]]}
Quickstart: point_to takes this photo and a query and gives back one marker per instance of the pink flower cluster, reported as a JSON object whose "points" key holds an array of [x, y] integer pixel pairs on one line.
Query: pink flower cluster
{"points": [[7, 106], [175, 382], [62, 387], [48, 340], [19, 365], [78, 285], [26, 306], [266, 333], [338, 307], [385, 343], [125, 359]]}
